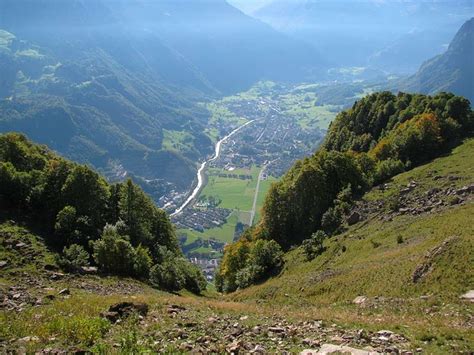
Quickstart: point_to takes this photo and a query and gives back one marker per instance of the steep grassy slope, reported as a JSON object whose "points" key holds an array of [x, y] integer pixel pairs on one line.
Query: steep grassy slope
{"points": [[410, 261], [44, 309]]}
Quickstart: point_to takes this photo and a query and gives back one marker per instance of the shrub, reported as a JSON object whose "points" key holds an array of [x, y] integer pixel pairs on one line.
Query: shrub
{"points": [[313, 246], [387, 168], [73, 258], [194, 279], [331, 220], [142, 262], [113, 253], [399, 239], [167, 276]]}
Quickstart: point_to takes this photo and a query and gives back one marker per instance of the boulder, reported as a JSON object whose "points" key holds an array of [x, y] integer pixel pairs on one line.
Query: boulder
{"points": [[174, 308], [3, 263], [468, 296], [89, 270], [64, 292], [327, 349], [353, 218], [359, 300], [124, 309], [110, 316]]}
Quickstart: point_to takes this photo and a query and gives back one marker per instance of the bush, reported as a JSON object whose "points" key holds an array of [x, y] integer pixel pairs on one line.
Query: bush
{"points": [[167, 276], [113, 253], [331, 220], [194, 278], [142, 262], [313, 246], [73, 258], [387, 168]]}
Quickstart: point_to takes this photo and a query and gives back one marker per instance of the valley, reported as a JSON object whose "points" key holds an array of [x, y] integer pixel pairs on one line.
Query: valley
{"points": [[271, 126], [237, 177]]}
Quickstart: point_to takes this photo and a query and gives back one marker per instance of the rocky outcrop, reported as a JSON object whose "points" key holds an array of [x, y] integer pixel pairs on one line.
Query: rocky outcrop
{"points": [[425, 267], [123, 310]]}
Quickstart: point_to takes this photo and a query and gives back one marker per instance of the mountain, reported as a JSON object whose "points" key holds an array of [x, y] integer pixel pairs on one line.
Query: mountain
{"points": [[370, 32], [451, 71], [108, 82]]}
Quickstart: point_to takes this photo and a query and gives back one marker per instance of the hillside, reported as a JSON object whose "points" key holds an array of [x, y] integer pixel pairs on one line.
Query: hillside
{"points": [[451, 71], [309, 305], [86, 222], [410, 256]]}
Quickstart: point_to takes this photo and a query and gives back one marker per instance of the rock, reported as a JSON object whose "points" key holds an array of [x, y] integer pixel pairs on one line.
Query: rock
{"points": [[463, 190], [256, 329], [89, 270], [311, 342], [235, 347], [64, 292], [386, 333], [327, 349], [359, 300], [50, 297], [174, 308], [278, 330], [110, 316], [29, 339], [468, 296], [353, 218], [50, 267], [244, 317], [57, 276], [20, 245], [124, 309], [3, 263], [258, 349]]}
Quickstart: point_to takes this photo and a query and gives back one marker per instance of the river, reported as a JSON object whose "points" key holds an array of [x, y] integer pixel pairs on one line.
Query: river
{"points": [[200, 172]]}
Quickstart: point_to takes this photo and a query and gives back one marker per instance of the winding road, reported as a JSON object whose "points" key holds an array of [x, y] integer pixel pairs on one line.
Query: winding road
{"points": [[201, 170]]}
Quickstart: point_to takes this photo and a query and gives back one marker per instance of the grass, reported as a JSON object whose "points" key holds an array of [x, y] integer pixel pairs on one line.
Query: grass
{"points": [[235, 194], [180, 141], [303, 106]]}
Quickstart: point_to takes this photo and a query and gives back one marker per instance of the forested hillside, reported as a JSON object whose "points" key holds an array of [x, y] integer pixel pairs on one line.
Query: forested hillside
{"points": [[380, 136], [88, 221]]}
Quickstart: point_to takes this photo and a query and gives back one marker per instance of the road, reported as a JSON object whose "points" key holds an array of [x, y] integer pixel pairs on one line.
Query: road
{"points": [[201, 170]]}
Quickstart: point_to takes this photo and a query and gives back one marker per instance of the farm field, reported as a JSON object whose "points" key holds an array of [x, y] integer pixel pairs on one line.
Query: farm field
{"points": [[234, 193]]}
